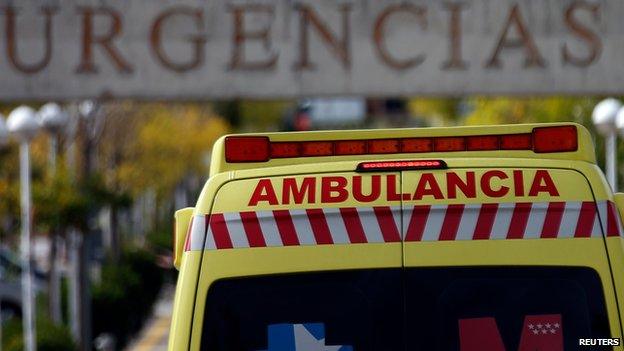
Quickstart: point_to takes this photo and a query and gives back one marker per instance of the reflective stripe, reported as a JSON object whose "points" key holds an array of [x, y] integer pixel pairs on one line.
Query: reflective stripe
{"points": [[360, 225]]}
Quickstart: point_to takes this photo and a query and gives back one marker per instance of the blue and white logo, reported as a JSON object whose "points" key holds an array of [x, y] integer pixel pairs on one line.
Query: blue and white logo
{"points": [[300, 337]]}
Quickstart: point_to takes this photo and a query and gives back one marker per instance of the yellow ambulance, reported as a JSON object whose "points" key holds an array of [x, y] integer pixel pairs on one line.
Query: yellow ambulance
{"points": [[497, 238]]}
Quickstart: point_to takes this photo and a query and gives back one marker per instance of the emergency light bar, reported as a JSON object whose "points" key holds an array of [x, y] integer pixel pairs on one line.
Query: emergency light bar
{"points": [[240, 149]]}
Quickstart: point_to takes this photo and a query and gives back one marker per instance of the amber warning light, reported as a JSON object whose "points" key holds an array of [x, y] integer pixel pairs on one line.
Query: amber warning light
{"points": [[261, 149]]}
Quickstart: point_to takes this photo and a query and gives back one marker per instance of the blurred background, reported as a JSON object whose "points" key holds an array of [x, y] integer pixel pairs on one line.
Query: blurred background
{"points": [[114, 107]]}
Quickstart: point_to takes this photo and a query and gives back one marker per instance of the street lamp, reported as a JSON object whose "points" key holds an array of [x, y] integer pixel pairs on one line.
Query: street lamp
{"points": [[53, 119], [4, 138], [23, 124], [604, 117]]}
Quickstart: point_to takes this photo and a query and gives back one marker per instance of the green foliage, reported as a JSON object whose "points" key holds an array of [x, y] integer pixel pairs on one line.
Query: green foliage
{"points": [[50, 337], [125, 295]]}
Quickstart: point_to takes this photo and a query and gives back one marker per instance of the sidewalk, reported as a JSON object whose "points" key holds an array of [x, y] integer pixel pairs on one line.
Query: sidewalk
{"points": [[155, 334]]}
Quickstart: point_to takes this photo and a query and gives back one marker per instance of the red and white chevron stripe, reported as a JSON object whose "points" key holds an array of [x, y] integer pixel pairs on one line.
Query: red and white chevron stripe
{"points": [[351, 225]]}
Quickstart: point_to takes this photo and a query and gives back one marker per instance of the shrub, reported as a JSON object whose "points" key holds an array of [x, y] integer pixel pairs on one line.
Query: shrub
{"points": [[50, 337], [123, 299]]}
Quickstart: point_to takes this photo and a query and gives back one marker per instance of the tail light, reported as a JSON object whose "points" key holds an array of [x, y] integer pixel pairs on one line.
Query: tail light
{"points": [[400, 165]]}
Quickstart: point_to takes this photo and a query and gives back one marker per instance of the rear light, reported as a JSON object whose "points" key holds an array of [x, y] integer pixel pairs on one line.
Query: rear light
{"points": [[482, 142], [247, 149], [555, 139], [517, 142], [540, 140], [400, 165]]}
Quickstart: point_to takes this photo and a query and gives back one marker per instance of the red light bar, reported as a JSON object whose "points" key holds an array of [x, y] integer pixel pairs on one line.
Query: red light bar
{"points": [[450, 144], [351, 147], [317, 148], [517, 142], [247, 149], [555, 139], [400, 165], [383, 146], [540, 140], [417, 145], [283, 150], [482, 142]]}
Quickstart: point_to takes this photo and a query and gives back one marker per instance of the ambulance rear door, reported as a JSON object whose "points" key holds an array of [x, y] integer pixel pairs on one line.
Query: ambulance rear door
{"points": [[509, 257], [313, 258]]}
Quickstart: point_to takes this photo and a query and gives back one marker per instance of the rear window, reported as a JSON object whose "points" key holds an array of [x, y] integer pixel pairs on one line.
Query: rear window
{"points": [[528, 308]]}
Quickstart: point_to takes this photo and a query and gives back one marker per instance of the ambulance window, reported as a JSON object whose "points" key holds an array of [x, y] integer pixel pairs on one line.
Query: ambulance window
{"points": [[515, 308], [349, 310]]}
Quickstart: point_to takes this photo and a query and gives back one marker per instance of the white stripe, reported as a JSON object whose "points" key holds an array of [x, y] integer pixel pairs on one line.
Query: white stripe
{"points": [[434, 223], [198, 231], [336, 225], [468, 222], [502, 220], [569, 219], [269, 228], [602, 211], [302, 227], [618, 220], [535, 223], [210, 242], [396, 216], [236, 229], [596, 231], [407, 217], [370, 224]]}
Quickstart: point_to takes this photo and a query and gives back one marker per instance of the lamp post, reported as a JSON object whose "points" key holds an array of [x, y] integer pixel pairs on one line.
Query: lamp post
{"points": [[4, 138], [53, 119], [604, 118], [23, 124]]}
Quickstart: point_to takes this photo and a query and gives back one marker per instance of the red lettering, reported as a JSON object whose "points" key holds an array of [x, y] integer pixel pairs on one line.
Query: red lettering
{"points": [[392, 194], [583, 33], [427, 185], [454, 182], [486, 185], [518, 183], [333, 189], [307, 188], [264, 192], [375, 189], [543, 183]]}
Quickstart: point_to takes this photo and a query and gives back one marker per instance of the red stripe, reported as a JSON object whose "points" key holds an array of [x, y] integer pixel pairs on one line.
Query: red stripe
{"points": [[612, 220], [519, 220], [252, 229], [586, 219], [220, 231], [417, 223], [319, 226], [352, 222], [388, 226], [552, 221], [483, 229], [286, 227], [451, 222]]}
